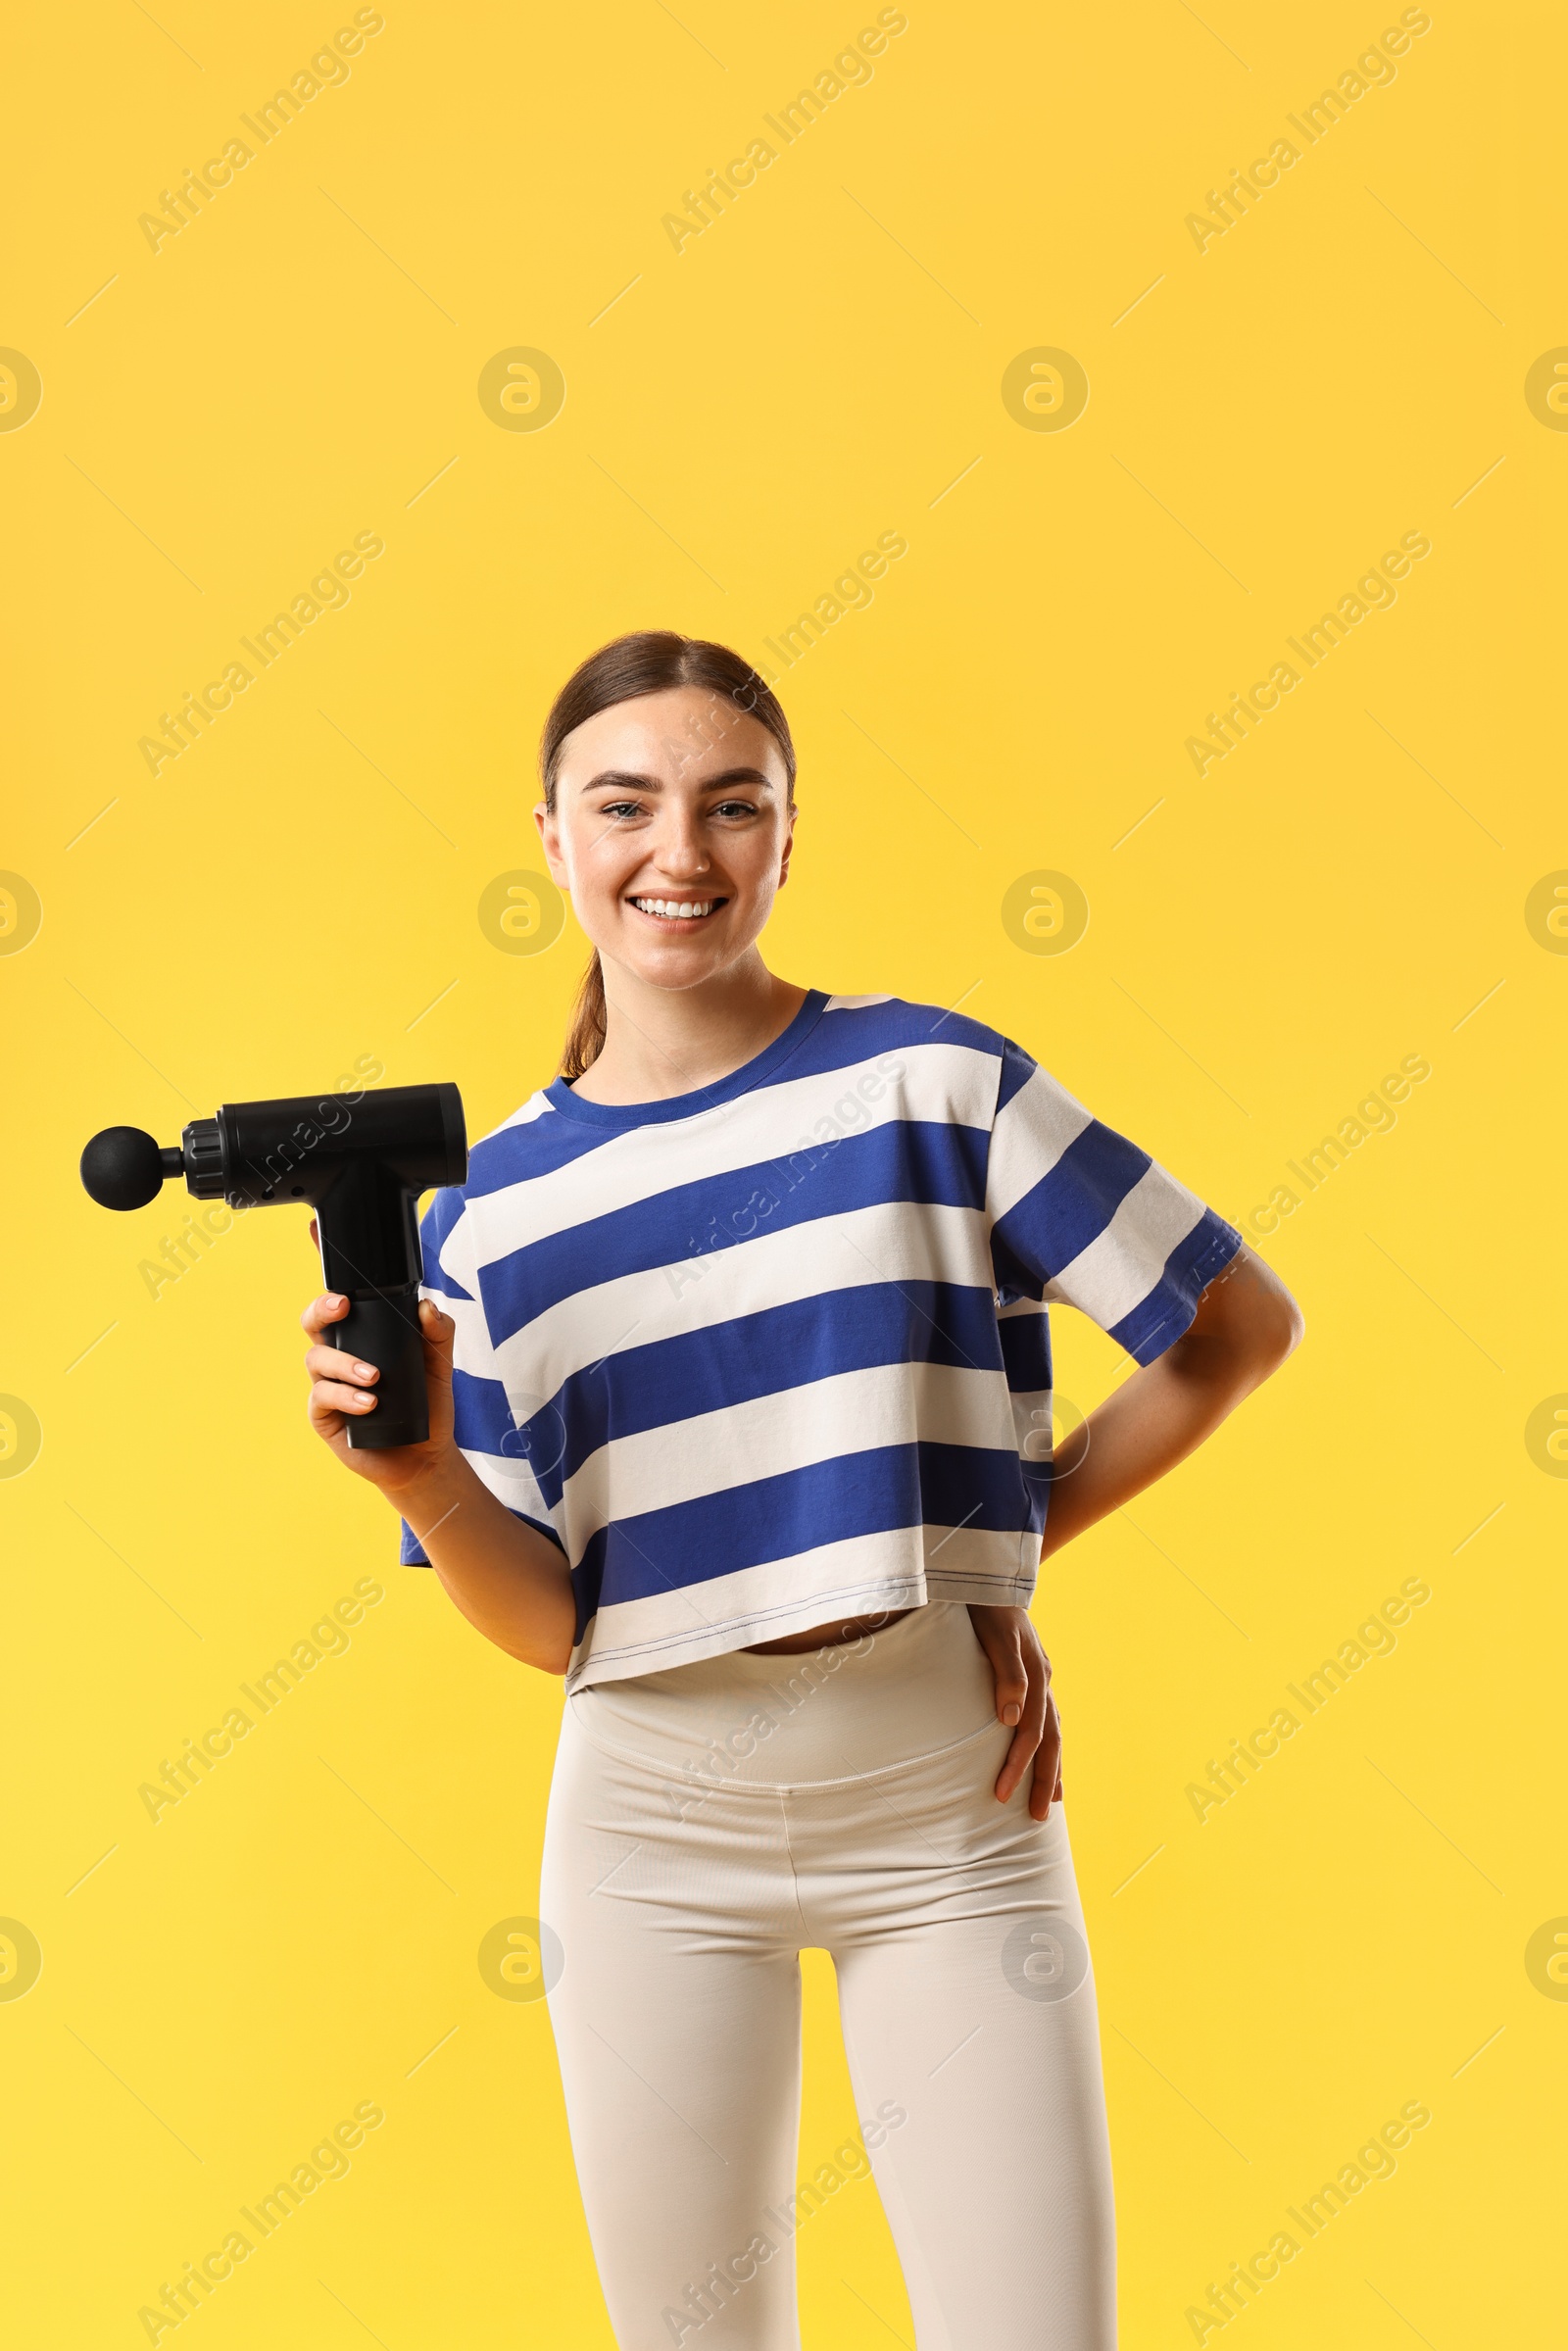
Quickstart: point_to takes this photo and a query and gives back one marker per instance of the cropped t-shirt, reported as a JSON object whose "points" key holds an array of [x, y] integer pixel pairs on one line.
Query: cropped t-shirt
{"points": [[779, 1351]]}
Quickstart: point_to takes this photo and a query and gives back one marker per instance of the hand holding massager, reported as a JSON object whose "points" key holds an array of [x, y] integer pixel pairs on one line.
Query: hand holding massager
{"points": [[361, 1164]]}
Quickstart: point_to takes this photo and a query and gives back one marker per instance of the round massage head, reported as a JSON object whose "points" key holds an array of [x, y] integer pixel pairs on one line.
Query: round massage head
{"points": [[122, 1169]]}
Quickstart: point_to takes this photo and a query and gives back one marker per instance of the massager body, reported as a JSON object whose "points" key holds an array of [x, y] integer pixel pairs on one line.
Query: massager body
{"points": [[361, 1164]]}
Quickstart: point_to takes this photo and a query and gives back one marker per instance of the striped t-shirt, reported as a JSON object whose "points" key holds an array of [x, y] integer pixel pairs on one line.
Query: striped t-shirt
{"points": [[778, 1350]]}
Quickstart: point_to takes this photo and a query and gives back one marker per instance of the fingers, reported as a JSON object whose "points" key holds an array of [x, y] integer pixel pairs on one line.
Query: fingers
{"points": [[1012, 1685], [1022, 1673], [1024, 1742], [996, 1631], [340, 1383], [439, 1332], [436, 1329], [337, 1395], [330, 1363], [343, 1384], [323, 1310], [1027, 1737], [1045, 1786]]}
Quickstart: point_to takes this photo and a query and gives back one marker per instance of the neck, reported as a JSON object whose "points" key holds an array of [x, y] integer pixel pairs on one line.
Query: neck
{"points": [[661, 1042]]}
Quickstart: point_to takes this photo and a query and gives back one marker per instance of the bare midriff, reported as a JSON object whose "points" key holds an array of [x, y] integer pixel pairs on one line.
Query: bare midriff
{"points": [[828, 1637]]}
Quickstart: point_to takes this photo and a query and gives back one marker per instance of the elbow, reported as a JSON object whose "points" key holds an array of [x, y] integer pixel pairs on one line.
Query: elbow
{"points": [[1282, 1327], [1246, 1325], [543, 1661], [1268, 1322], [550, 1654]]}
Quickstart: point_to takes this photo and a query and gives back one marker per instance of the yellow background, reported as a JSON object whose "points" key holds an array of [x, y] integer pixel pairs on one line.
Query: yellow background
{"points": [[217, 420]]}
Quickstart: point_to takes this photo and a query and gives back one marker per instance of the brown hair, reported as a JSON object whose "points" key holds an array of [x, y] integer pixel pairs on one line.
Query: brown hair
{"points": [[649, 660]]}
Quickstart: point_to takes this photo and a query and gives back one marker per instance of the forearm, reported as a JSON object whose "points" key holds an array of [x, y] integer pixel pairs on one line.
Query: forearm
{"points": [[1152, 1421], [513, 1585]]}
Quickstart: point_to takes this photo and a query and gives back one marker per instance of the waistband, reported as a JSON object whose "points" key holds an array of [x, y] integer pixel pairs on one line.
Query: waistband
{"points": [[890, 1697]]}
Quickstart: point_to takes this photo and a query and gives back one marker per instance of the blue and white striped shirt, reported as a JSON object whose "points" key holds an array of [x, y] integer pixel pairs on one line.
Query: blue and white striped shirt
{"points": [[779, 1351]]}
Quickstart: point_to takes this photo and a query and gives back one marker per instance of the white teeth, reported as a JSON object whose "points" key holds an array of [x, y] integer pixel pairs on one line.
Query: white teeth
{"points": [[679, 910]]}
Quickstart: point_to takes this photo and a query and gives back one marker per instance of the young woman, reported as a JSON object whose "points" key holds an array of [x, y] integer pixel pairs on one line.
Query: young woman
{"points": [[739, 1371]]}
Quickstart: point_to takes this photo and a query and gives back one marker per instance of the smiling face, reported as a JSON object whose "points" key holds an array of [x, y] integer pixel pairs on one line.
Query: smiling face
{"points": [[670, 829]]}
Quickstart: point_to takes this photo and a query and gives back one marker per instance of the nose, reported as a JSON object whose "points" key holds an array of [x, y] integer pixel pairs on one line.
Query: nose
{"points": [[678, 850]]}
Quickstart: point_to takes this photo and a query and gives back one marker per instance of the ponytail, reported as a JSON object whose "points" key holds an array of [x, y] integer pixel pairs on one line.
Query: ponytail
{"points": [[585, 1038]]}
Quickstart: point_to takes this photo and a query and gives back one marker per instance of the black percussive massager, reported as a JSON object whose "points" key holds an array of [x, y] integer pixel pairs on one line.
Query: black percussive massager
{"points": [[361, 1163]]}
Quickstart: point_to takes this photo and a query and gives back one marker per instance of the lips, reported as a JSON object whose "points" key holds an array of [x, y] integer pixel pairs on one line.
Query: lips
{"points": [[677, 912]]}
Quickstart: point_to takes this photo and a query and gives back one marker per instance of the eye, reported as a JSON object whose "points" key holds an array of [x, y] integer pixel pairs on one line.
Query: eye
{"points": [[621, 808], [734, 808]]}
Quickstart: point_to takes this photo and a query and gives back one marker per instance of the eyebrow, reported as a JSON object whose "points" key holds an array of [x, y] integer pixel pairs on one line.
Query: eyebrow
{"points": [[621, 777]]}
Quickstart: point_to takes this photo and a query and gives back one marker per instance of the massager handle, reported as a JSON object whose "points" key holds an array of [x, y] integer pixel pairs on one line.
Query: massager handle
{"points": [[369, 1235], [383, 1329], [369, 1222]]}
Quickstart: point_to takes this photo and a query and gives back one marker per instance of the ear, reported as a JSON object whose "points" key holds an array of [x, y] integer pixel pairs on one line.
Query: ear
{"points": [[550, 836], [789, 848]]}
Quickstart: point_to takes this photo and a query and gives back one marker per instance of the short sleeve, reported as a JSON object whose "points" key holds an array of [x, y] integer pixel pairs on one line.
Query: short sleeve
{"points": [[483, 1426], [1081, 1215]]}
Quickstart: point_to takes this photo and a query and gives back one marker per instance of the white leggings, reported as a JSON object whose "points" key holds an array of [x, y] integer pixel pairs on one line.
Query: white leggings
{"points": [[705, 1824]]}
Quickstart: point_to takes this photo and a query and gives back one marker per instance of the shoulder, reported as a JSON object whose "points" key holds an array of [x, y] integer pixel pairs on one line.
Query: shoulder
{"points": [[944, 1049], [928, 1063], [873, 1025]]}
